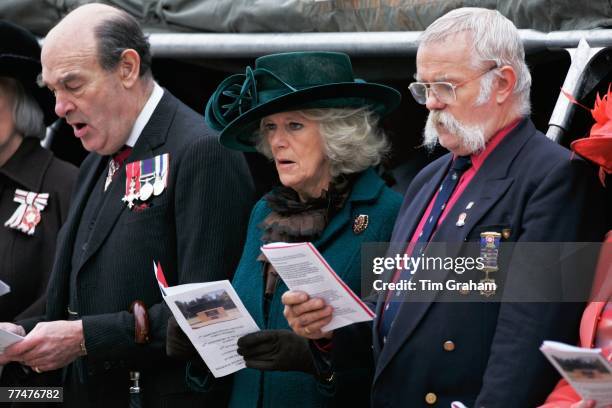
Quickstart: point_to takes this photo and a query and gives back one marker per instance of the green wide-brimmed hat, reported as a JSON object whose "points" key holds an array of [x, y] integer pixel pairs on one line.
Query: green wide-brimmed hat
{"points": [[287, 82], [20, 59]]}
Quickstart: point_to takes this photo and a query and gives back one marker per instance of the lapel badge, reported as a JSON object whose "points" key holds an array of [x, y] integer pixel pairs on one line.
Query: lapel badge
{"points": [[506, 232], [360, 224], [27, 216], [461, 219], [470, 205], [489, 249], [489, 252]]}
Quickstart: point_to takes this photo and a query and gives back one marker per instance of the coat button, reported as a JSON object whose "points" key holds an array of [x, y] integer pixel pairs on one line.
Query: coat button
{"points": [[431, 398], [449, 345]]}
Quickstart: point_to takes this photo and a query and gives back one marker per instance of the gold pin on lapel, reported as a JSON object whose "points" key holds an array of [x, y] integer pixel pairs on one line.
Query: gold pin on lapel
{"points": [[361, 223], [506, 232]]}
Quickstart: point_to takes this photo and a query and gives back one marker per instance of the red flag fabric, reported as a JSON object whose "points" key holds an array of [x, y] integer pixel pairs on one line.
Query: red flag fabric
{"points": [[161, 278]]}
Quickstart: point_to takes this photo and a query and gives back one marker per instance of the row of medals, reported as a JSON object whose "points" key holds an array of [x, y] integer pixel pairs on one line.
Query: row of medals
{"points": [[148, 189]]}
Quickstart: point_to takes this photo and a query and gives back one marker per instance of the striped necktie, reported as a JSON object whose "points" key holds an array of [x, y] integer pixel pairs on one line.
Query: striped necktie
{"points": [[460, 165]]}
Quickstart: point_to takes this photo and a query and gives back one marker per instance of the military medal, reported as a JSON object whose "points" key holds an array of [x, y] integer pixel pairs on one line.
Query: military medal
{"points": [[161, 173], [147, 174], [489, 249], [132, 183], [27, 216], [146, 191], [489, 252], [139, 178], [487, 280]]}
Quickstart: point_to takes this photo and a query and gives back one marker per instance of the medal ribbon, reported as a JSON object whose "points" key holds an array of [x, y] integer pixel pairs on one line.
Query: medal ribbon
{"points": [[29, 201], [132, 192], [161, 167], [146, 169], [132, 173], [489, 249]]}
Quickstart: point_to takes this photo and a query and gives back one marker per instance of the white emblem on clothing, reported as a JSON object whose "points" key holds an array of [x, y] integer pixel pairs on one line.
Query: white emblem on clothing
{"points": [[27, 215]]}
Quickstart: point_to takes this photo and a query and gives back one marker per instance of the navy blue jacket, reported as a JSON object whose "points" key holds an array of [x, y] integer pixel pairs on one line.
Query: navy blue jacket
{"points": [[483, 354]]}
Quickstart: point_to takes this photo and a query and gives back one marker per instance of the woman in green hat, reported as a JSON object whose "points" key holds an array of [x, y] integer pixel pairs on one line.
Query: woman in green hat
{"points": [[307, 113]]}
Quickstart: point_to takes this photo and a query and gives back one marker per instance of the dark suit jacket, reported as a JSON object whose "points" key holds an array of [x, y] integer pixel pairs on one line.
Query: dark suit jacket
{"points": [[26, 261], [531, 186], [195, 229]]}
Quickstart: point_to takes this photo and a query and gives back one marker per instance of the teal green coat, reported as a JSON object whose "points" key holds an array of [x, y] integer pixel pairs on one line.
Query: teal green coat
{"points": [[341, 247]]}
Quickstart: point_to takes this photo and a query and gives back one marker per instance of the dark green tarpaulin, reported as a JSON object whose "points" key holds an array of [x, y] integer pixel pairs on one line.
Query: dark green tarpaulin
{"points": [[314, 15]]}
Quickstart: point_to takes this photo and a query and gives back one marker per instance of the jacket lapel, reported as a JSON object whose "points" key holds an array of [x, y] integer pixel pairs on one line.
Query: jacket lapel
{"points": [[410, 216], [67, 235], [153, 135], [405, 225], [485, 189], [410, 313]]}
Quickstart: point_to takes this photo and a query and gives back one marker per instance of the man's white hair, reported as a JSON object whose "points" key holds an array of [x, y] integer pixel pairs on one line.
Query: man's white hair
{"points": [[494, 38]]}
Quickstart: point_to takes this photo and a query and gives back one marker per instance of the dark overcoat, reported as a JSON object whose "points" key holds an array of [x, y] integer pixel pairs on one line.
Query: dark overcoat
{"points": [[484, 354], [105, 256], [26, 260]]}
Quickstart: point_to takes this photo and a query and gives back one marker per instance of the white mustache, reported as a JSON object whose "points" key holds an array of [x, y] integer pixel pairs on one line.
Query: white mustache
{"points": [[472, 137]]}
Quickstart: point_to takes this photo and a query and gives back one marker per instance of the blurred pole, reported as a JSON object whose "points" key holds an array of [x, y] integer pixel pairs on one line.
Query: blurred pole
{"points": [[574, 83]]}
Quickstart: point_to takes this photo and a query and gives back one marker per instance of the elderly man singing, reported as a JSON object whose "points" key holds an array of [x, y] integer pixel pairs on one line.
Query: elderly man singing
{"points": [[157, 187], [502, 178]]}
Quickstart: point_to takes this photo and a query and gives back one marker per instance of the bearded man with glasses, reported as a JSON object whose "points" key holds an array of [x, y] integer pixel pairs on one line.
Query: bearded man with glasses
{"points": [[501, 178]]}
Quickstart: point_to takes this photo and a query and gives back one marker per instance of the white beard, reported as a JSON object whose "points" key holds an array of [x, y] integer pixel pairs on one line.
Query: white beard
{"points": [[472, 137]]}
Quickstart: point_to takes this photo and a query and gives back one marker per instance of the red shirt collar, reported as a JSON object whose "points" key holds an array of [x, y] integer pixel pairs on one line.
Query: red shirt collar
{"points": [[479, 158]]}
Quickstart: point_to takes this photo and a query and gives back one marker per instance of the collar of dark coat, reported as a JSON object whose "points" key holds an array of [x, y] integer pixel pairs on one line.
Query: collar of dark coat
{"points": [[368, 186], [498, 164], [155, 132], [28, 165]]}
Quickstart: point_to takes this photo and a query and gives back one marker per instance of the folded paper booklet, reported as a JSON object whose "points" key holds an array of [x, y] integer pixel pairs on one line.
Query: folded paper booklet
{"points": [[213, 317], [302, 267], [4, 288], [7, 338], [587, 371]]}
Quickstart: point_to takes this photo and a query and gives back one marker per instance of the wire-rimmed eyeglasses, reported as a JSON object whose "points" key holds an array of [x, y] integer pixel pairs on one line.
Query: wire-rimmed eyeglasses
{"points": [[443, 91]]}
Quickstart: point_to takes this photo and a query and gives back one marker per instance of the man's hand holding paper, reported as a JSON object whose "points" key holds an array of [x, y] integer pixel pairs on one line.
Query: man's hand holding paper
{"points": [[49, 346], [9, 334]]}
